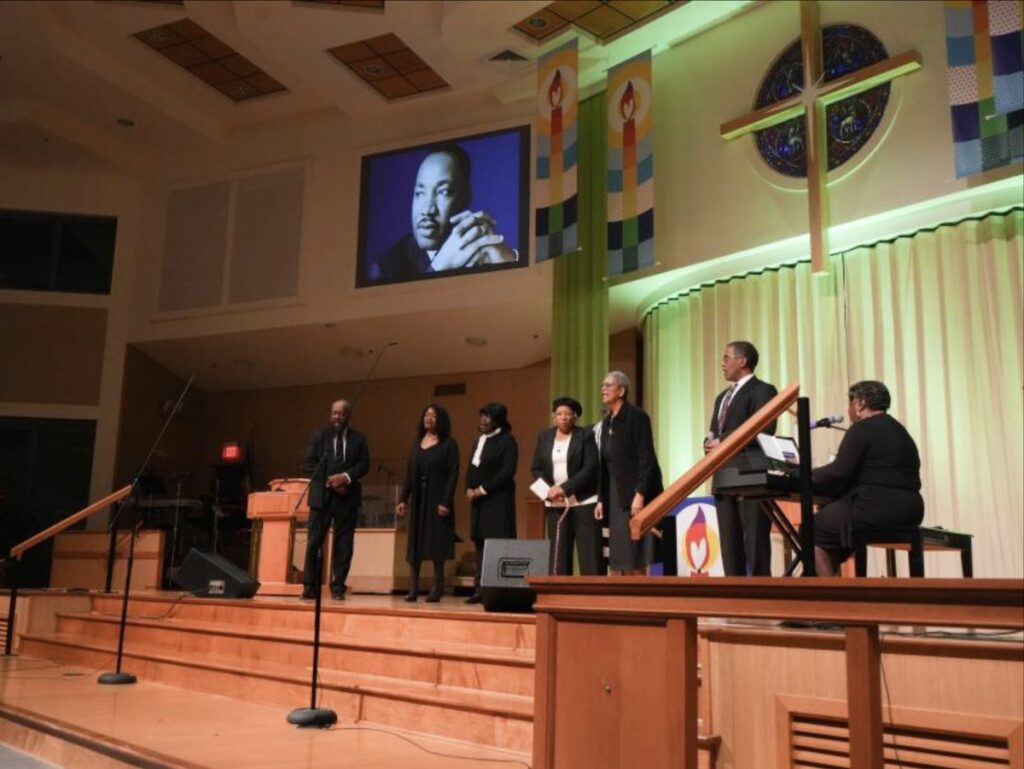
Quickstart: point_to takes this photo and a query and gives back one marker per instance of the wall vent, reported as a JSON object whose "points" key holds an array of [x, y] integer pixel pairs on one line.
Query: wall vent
{"points": [[453, 388]]}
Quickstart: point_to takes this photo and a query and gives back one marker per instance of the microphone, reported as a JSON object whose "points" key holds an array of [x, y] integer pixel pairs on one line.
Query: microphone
{"points": [[835, 419]]}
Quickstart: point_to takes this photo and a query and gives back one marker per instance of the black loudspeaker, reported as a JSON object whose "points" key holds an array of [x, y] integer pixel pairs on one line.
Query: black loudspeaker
{"points": [[210, 575], [507, 564]]}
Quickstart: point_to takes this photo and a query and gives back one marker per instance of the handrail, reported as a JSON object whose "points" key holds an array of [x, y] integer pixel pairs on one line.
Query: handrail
{"points": [[711, 463], [57, 528]]}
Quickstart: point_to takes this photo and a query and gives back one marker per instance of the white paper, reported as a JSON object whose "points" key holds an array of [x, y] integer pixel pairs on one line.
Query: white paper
{"points": [[540, 488]]}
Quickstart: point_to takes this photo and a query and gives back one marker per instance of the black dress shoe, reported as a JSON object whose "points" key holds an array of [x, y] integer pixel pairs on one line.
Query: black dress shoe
{"points": [[411, 596], [475, 598], [434, 596], [308, 595], [336, 596]]}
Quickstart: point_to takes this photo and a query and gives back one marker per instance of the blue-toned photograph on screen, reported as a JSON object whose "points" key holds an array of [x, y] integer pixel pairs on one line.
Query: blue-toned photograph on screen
{"points": [[453, 207]]}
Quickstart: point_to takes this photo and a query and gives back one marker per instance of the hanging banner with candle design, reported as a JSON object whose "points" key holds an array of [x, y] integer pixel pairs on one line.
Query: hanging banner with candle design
{"points": [[630, 166], [556, 224]]}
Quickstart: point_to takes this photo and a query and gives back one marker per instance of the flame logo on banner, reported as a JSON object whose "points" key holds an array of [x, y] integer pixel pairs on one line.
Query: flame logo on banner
{"points": [[555, 91], [698, 549], [627, 104]]}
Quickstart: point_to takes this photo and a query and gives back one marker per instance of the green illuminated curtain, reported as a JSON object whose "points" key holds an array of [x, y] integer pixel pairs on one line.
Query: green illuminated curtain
{"points": [[937, 316], [685, 337], [579, 329]]}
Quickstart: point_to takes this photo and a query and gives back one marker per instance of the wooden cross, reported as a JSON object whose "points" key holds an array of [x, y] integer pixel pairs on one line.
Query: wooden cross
{"points": [[811, 102]]}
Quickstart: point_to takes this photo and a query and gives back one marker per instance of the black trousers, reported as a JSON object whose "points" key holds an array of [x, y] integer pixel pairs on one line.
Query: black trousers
{"points": [[479, 545], [343, 518], [746, 532], [577, 526]]}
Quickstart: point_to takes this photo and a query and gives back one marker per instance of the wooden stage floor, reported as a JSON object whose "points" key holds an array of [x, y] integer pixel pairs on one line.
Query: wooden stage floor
{"points": [[180, 715], [46, 708]]}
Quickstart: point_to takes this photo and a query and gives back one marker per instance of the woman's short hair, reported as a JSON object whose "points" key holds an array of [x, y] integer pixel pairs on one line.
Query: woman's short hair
{"points": [[444, 422], [874, 394], [621, 380], [572, 403], [498, 414]]}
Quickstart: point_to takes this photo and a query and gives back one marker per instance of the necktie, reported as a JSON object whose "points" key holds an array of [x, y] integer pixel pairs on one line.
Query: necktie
{"points": [[725, 408]]}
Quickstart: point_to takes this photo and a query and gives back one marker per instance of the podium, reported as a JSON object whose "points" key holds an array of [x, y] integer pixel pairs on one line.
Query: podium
{"points": [[277, 512], [378, 561]]}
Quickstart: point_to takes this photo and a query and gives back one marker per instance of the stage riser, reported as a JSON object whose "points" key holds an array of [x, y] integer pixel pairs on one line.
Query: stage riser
{"points": [[503, 631], [55, 750], [515, 677], [483, 726]]}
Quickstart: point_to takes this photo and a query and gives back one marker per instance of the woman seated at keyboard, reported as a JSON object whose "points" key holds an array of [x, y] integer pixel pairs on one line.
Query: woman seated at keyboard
{"points": [[876, 476]]}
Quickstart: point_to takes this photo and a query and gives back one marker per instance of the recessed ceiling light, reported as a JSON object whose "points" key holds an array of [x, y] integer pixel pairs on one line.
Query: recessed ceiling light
{"points": [[537, 22], [126, 122], [476, 341]]}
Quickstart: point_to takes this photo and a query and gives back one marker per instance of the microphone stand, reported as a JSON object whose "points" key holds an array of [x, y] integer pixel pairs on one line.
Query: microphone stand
{"points": [[119, 677], [313, 716]]}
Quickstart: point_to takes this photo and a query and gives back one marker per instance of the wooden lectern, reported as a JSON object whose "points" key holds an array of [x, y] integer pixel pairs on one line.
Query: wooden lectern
{"points": [[277, 511]]}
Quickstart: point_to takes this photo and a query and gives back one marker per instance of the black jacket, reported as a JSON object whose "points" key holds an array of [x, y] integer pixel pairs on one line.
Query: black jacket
{"points": [[747, 401], [581, 462], [353, 458], [627, 447], [494, 514]]}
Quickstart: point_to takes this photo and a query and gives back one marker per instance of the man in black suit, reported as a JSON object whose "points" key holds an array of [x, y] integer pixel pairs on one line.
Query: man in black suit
{"points": [[336, 461], [744, 527]]}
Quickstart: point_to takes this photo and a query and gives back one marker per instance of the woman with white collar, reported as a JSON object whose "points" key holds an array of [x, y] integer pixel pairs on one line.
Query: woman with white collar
{"points": [[566, 459], [491, 484]]}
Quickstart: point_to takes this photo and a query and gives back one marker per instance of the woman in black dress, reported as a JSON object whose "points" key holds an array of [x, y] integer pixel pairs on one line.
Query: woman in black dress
{"points": [[431, 475], [876, 473], [491, 484], [566, 458]]}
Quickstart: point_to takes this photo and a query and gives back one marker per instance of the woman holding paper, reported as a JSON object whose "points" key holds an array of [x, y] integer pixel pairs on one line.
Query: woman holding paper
{"points": [[565, 469]]}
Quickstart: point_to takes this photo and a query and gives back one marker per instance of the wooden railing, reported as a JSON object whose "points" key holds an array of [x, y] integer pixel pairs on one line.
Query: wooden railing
{"points": [[19, 549], [619, 654], [711, 463]]}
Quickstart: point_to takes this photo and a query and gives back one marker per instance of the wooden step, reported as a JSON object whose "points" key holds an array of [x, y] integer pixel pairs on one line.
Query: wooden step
{"points": [[415, 622], [439, 663], [471, 715]]}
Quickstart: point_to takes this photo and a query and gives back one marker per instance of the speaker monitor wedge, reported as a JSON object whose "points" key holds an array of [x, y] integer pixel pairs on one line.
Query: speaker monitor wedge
{"points": [[507, 564], [208, 574]]}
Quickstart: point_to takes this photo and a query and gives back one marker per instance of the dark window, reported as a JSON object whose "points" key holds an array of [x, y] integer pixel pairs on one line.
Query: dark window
{"points": [[45, 469], [56, 252]]}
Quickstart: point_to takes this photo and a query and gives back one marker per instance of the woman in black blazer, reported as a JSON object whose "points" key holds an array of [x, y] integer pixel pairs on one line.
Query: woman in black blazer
{"points": [[630, 475], [491, 484], [566, 459]]}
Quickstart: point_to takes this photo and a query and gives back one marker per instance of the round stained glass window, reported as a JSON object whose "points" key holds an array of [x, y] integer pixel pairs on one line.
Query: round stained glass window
{"points": [[850, 123]]}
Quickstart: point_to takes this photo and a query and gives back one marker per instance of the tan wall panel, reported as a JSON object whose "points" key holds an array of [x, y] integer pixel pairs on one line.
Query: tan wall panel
{"points": [[149, 392], [282, 420], [51, 354]]}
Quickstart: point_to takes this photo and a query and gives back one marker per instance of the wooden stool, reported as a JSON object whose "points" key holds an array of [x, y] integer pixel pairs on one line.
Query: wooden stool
{"points": [[900, 538]]}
